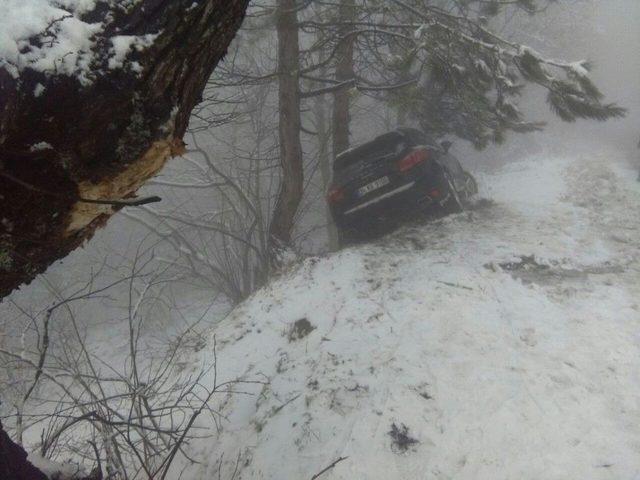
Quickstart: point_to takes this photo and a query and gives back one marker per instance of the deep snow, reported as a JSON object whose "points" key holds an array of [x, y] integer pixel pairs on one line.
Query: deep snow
{"points": [[520, 371]]}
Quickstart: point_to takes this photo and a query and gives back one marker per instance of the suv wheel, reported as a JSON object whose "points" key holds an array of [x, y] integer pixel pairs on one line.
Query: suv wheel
{"points": [[453, 203], [470, 185]]}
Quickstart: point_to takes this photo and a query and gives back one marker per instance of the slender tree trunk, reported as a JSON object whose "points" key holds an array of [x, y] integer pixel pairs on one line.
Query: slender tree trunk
{"points": [[291, 185], [344, 71], [324, 159]]}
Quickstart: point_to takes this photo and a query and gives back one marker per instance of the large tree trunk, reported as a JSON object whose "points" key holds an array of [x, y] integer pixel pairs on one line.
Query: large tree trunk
{"points": [[289, 129], [344, 71], [66, 141], [14, 464], [13, 461]]}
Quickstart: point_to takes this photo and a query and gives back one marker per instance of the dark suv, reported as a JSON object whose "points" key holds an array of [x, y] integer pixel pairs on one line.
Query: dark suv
{"points": [[392, 176]]}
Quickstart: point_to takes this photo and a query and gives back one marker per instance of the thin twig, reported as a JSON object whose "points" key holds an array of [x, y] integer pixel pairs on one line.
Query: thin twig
{"points": [[326, 469]]}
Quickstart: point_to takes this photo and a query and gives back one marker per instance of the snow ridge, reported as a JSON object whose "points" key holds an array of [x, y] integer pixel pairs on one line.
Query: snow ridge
{"points": [[499, 343]]}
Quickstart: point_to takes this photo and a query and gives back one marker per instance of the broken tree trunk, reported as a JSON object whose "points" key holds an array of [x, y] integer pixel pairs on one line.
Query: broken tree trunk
{"points": [[98, 129]]}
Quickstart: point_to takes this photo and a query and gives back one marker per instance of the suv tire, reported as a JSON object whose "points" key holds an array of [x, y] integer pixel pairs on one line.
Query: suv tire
{"points": [[470, 185], [453, 204]]}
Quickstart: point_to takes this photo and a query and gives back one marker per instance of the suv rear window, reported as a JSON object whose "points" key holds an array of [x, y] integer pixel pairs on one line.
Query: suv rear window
{"points": [[392, 142]]}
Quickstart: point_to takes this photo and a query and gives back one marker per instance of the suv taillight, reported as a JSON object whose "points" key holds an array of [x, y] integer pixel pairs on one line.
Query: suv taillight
{"points": [[335, 195], [414, 158]]}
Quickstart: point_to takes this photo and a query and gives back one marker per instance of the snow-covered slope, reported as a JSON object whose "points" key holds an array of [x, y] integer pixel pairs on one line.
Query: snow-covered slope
{"points": [[501, 343]]}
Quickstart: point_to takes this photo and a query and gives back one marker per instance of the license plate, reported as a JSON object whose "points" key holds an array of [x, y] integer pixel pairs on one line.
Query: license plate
{"points": [[376, 184]]}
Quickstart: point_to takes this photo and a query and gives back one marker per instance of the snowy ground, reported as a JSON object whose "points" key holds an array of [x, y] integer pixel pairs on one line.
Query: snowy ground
{"points": [[440, 352]]}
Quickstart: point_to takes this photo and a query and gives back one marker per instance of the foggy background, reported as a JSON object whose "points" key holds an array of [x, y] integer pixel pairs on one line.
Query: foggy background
{"points": [[606, 32], [180, 266]]}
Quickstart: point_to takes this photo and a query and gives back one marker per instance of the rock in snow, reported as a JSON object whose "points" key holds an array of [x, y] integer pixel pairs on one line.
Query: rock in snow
{"points": [[500, 343]]}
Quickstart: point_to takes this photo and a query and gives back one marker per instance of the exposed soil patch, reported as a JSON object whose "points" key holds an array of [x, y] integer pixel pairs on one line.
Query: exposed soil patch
{"points": [[300, 329], [426, 395], [401, 441], [526, 263], [530, 270]]}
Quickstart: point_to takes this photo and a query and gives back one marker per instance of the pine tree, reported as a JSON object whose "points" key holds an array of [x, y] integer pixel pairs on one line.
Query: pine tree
{"points": [[442, 63]]}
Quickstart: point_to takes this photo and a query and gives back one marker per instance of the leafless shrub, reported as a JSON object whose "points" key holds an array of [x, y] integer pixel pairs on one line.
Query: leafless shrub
{"points": [[132, 417]]}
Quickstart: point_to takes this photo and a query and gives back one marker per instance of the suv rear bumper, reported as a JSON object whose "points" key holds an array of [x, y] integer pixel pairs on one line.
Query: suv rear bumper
{"points": [[397, 203], [380, 198]]}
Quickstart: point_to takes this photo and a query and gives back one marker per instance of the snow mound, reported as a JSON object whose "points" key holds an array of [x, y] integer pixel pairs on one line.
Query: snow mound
{"points": [[498, 343]]}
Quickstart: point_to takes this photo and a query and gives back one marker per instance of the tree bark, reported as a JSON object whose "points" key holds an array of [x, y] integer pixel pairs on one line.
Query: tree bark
{"points": [[291, 185], [324, 158], [13, 461], [14, 464], [106, 138], [344, 71]]}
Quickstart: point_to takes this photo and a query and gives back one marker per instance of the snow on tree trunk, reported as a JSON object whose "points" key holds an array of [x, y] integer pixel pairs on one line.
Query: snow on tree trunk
{"points": [[90, 108]]}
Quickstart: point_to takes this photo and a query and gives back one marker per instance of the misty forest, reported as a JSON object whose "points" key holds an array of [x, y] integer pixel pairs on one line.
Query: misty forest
{"points": [[319, 239]]}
